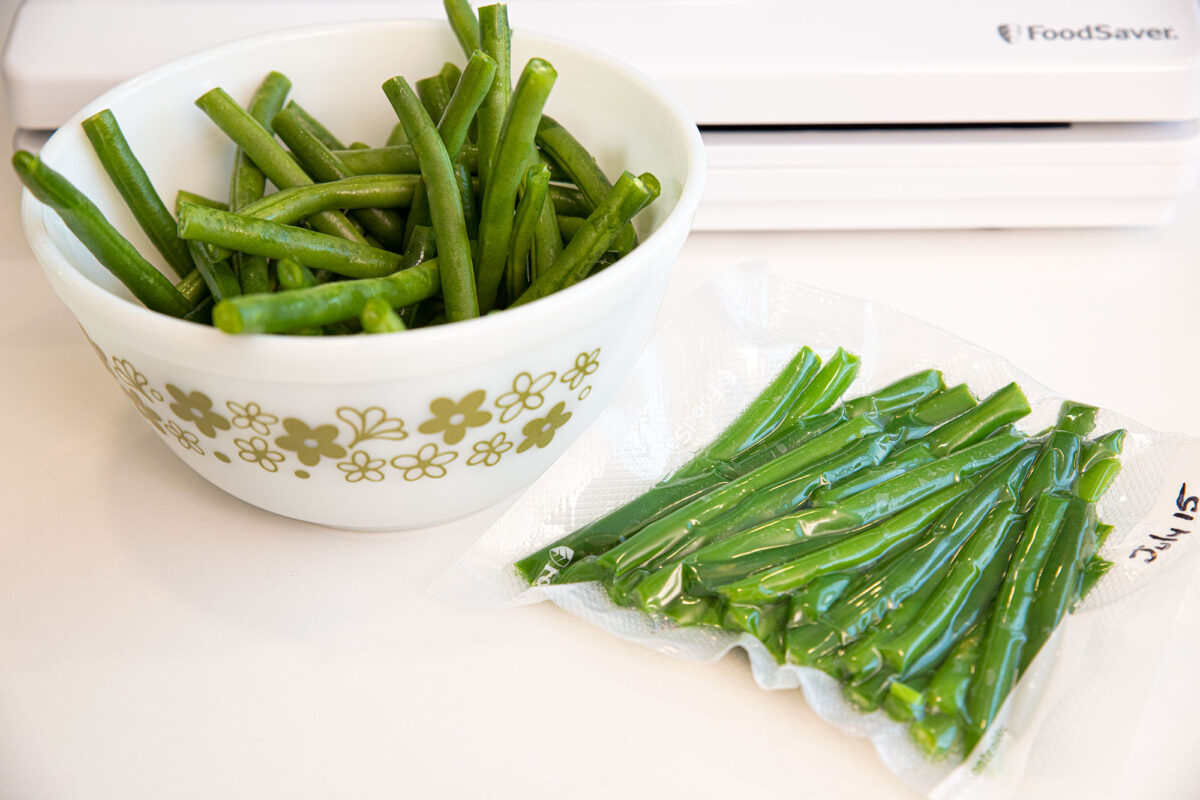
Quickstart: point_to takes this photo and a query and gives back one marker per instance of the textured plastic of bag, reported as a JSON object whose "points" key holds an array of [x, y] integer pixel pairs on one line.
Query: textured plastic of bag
{"points": [[1094, 707]]}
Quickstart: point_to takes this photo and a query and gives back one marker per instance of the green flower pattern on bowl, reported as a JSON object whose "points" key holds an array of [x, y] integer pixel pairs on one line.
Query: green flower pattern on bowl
{"points": [[250, 417], [488, 452], [362, 446], [452, 419]]}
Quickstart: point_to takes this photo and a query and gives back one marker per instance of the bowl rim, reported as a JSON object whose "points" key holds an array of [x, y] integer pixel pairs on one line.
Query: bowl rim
{"points": [[168, 330]]}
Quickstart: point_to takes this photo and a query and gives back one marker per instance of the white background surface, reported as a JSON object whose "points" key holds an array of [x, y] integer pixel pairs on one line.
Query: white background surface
{"points": [[161, 639]]}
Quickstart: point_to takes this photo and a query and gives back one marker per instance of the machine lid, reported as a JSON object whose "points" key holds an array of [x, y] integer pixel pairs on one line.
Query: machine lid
{"points": [[732, 62]]}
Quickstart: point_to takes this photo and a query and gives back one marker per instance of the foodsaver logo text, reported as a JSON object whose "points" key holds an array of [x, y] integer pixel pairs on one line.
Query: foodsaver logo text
{"points": [[1097, 32]]}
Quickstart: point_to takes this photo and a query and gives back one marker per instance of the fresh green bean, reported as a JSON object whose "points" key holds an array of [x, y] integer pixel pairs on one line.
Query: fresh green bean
{"points": [[927, 408], [968, 568], [1076, 418], [1100, 463], [1061, 576], [865, 694], [450, 74], [495, 39], [943, 406], [397, 136], [705, 521], [258, 143], [192, 287], [111, 249], [1056, 470], [936, 734], [603, 262], [719, 463], [134, 186], [213, 268], [657, 540], [940, 730], [379, 317], [467, 194], [1006, 405], [1096, 569], [396, 159], [272, 240], [892, 496], [418, 212], [975, 424], [454, 123], [808, 409], [318, 161], [765, 413], [312, 125], [467, 95], [184, 196], [434, 95], [570, 201], [609, 530], [904, 461], [786, 495], [657, 589], [766, 622], [218, 274], [464, 24], [533, 196], [975, 607], [421, 247], [947, 692], [939, 408], [855, 552], [781, 441], [201, 313], [568, 226], [294, 275], [864, 603], [547, 241], [1007, 627], [449, 225], [715, 570], [909, 395], [629, 196], [507, 167], [813, 600], [582, 169], [905, 699], [827, 388], [614, 527], [324, 304], [253, 272], [247, 182], [290, 206], [860, 659]]}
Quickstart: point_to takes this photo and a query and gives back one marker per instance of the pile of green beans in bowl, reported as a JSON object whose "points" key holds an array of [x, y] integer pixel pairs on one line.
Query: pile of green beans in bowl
{"points": [[911, 543], [476, 202]]}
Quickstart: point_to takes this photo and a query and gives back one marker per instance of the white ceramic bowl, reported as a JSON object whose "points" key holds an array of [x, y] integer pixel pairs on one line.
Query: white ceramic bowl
{"points": [[372, 432]]}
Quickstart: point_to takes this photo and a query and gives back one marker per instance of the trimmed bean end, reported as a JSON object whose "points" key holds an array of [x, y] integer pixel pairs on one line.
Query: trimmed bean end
{"points": [[226, 317]]}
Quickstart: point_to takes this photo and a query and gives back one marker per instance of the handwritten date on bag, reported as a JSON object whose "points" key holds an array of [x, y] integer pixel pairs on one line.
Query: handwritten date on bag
{"points": [[1185, 516]]}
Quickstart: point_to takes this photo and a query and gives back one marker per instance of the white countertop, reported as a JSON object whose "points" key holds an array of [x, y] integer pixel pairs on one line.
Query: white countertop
{"points": [[161, 639]]}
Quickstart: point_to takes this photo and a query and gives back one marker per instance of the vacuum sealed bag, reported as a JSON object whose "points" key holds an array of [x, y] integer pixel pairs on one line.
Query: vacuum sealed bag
{"points": [[944, 556]]}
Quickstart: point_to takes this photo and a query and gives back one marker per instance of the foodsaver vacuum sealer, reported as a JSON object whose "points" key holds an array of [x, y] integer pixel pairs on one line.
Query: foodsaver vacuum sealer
{"points": [[816, 114]]}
